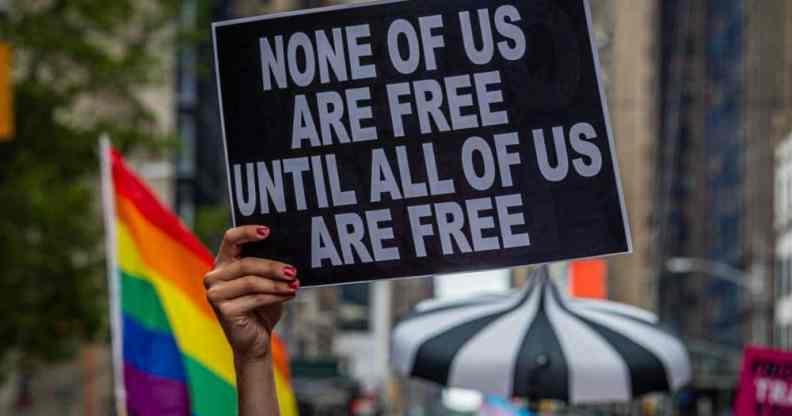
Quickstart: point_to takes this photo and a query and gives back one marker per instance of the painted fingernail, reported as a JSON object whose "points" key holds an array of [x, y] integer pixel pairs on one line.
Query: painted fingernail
{"points": [[290, 271], [263, 231], [294, 285]]}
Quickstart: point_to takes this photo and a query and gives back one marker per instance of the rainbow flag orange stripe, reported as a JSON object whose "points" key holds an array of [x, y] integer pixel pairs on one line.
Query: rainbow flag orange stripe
{"points": [[171, 357]]}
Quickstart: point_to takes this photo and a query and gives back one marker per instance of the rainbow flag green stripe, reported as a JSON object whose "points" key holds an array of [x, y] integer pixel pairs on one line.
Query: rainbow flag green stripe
{"points": [[140, 303]]}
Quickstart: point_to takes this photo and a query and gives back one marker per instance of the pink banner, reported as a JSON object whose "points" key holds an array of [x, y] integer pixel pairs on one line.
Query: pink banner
{"points": [[765, 383]]}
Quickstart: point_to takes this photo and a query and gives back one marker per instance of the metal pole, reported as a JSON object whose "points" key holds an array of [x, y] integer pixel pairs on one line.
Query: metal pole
{"points": [[720, 270], [756, 287], [692, 264]]}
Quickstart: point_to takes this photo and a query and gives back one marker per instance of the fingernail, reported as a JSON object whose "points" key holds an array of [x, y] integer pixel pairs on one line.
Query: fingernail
{"points": [[263, 231], [290, 271], [294, 285]]}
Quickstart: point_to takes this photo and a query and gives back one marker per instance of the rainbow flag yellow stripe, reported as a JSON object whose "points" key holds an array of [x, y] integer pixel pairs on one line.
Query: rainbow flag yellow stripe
{"points": [[174, 357]]}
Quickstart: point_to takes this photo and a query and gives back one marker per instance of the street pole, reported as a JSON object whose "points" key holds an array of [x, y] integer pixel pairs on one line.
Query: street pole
{"points": [[720, 270], [756, 287]]}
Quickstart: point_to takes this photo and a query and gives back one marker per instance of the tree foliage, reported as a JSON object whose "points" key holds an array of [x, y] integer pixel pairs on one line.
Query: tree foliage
{"points": [[80, 67]]}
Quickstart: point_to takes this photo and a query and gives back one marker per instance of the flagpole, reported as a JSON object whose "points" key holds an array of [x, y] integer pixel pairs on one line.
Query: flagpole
{"points": [[113, 284]]}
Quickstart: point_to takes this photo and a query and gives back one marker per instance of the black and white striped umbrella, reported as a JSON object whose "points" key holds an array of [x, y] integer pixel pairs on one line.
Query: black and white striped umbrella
{"points": [[540, 344]]}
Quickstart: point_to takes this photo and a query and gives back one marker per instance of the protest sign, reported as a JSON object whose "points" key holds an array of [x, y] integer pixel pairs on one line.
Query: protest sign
{"points": [[765, 383], [409, 138]]}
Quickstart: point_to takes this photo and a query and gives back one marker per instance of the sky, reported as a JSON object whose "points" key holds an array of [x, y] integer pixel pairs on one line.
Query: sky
{"points": [[457, 286]]}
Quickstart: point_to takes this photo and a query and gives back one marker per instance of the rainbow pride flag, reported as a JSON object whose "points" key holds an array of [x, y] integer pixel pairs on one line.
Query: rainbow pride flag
{"points": [[170, 354]]}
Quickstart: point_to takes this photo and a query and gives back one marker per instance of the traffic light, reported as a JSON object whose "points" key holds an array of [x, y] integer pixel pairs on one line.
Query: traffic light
{"points": [[6, 94]]}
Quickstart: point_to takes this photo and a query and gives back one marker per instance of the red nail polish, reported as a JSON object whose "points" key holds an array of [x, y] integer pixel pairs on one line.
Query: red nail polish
{"points": [[290, 271], [263, 231], [294, 285]]}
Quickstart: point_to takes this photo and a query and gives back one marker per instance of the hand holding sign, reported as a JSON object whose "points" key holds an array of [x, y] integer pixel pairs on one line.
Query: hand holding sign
{"points": [[248, 294], [399, 139]]}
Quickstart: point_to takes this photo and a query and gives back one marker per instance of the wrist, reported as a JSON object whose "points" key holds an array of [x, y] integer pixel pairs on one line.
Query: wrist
{"points": [[256, 385], [244, 361]]}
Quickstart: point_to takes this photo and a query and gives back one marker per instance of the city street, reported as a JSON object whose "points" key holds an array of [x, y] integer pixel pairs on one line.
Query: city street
{"points": [[395, 207]]}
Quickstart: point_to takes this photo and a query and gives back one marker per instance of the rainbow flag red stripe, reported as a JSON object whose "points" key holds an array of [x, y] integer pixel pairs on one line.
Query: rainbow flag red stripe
{"points": [[171, 355]]}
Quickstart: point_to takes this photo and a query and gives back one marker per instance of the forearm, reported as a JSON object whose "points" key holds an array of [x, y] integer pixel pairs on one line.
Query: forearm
{"points": [[256, 392]]}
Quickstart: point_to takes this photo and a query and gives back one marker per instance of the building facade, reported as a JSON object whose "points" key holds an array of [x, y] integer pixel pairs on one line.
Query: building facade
{"points": [[768, 123], [625, 32], [724, 100], [783, 249]]}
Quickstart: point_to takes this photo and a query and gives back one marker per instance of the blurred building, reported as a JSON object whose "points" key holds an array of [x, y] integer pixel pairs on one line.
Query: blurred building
{"points": [[687, 163], [700, 94], [696, 109], [625, 32], [783, 251], [724, 90], [768, 119], [700, 197]]}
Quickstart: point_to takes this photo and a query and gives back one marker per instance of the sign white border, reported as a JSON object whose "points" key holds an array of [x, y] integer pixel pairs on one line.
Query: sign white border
{"points": [[606, 114]]}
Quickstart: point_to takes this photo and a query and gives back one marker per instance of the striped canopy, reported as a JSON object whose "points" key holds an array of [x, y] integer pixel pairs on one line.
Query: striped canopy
{"points": [[540, 344]]}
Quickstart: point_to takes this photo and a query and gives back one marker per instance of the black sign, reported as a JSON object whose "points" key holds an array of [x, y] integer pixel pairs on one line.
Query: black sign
{"points": [[409, 138]]}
